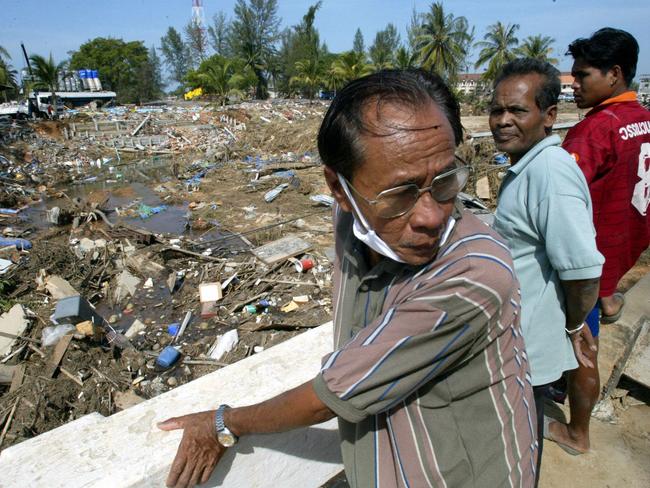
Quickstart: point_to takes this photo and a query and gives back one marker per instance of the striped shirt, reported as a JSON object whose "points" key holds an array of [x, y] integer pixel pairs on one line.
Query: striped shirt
{"points": [[429, 377]]}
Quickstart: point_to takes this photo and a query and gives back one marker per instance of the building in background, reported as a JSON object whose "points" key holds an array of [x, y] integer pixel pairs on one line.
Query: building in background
{"points": [[470, 83], [644, 88]]}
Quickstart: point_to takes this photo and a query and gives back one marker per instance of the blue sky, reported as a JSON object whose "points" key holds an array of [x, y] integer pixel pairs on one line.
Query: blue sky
{"points": [[59, 26]]}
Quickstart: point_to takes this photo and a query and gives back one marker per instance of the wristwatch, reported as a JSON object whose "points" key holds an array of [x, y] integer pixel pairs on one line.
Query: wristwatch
{"points": [[224, 436]]}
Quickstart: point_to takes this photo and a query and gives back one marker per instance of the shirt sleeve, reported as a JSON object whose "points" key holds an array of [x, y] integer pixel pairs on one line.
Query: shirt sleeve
{"points": [[427, 333], [564, 218], [590, 153]]}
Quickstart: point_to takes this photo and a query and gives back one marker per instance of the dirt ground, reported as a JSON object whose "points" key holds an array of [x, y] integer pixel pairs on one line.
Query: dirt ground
{"points": [[214, 214]]}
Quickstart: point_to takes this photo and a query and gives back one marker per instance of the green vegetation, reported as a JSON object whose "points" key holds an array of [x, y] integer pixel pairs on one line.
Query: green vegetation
{"points": [[443, 41], [537, 47], [247, 54], [222, 78], [497, 48], [46, 72], [124, 67], [8, 82]]}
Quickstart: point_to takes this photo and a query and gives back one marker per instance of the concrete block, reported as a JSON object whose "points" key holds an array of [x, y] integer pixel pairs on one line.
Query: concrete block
{"points": [[127, 450], [617, 341]]}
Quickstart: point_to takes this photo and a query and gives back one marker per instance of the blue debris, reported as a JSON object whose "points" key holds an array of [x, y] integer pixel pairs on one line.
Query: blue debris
{"points": [[168, 357], [501, 159], [14, 241], [145, 211], [288, 174]]}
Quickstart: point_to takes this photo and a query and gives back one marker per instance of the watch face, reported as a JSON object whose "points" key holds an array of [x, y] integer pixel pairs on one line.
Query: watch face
{"points": [[226, 440]]}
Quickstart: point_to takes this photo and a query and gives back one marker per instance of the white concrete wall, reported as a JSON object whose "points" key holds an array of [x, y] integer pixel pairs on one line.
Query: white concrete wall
{"points": [[127, 450]]}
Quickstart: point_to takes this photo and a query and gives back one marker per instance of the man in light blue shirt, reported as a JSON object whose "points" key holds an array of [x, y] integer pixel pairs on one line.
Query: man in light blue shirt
{"points": [[544, 212]]}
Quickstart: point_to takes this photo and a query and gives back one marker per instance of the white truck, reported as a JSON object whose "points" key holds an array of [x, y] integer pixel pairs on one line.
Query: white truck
{"points": [[15, 110], [37, 105]]}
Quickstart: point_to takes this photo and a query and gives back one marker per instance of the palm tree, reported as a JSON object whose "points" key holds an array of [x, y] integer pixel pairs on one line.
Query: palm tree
{"points": [[443, 41], [7, 73], [350, 66], [381, 59], [497, 48], [222, 80], [46, 72], [537, 47], [405, 59], [254, 32], [308, 76]]}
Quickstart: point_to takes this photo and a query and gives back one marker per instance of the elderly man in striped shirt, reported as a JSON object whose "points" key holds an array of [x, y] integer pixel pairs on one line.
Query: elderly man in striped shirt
{"points": [[429, 377]]}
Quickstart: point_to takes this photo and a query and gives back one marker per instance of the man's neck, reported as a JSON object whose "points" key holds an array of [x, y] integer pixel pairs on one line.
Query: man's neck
{"points": [[373, 257], [617, 90], [514, 158]]}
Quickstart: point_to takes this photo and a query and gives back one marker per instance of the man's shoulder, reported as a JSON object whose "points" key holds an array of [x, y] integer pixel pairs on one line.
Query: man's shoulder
{"points": [[553, 163], [472, 235], [593, 121]]}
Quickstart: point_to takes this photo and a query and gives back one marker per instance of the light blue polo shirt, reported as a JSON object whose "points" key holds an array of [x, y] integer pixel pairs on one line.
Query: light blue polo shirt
{"points": [[544, 212]]}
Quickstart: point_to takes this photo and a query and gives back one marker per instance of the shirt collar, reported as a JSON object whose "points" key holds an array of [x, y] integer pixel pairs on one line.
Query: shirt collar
{"points": [[518, 167], [628, 96]]}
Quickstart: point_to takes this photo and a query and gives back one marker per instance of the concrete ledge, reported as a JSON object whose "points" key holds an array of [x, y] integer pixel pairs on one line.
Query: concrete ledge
{"points": [[127, 450], [618, 341]]}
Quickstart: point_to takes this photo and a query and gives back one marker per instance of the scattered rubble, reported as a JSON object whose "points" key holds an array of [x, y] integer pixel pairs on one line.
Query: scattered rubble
{"points": [[144, 247], [127, 251]]}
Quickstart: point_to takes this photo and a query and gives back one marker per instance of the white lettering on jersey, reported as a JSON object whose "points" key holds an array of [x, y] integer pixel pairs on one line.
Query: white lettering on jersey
{"points": [[641, 194], [635, 129]]}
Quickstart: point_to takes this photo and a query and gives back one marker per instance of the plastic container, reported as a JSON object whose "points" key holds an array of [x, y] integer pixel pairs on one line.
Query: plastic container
{"points": [[98, 84], [172, 329], [168, 357], [84, 79], [305, 264]]}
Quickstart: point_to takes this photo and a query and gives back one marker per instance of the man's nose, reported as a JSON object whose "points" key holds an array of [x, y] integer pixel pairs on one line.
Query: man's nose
{"points": [[427, 214], [503, 119], [575, 85]]}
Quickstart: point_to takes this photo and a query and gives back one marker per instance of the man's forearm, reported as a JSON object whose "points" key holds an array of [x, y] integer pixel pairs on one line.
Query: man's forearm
{"points": [[580, 298], [295, 408]]}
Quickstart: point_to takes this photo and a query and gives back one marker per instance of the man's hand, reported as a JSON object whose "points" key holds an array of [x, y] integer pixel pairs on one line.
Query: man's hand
{"points": [[584, 339], [199, 451]]}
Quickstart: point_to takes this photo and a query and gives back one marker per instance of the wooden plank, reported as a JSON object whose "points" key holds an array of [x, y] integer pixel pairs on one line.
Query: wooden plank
{"points": [[19, 375], [6, 374], [59, 351], [137, 129], [281, 249]]}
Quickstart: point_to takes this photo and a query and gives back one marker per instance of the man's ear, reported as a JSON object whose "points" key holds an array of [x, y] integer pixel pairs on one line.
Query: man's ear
{"points": [[550, 117], [615, 75], [331, 177]]}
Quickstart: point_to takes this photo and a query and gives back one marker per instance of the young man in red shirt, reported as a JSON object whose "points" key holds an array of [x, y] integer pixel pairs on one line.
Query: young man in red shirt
{"points": [[612, 147]]}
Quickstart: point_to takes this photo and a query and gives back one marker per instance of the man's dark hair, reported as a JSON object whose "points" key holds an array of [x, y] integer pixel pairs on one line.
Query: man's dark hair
{"points": [[548, 92], [338, 137], [606, 48]]}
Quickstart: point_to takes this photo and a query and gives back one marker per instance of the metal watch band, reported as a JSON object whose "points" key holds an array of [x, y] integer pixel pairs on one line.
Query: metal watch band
{"points": [[218, 418]]}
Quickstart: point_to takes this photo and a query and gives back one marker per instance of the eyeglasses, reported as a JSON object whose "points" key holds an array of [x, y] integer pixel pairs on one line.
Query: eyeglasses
{"points": [[398, 201]]}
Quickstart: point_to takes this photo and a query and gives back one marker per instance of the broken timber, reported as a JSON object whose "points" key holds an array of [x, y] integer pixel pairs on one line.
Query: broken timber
{"points": [[281, 249]]}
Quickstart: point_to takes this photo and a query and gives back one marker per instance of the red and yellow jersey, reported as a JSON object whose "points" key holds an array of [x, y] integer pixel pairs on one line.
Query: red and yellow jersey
{"points": [[612, 147]]}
